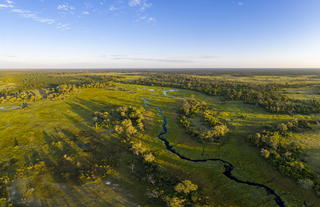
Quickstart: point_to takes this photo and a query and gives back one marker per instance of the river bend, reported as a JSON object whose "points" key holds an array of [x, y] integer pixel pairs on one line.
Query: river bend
{"points": [[228, 167]]}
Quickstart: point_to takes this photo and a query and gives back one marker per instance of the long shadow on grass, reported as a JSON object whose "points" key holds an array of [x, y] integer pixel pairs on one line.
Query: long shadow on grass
{"points": [[101, 148], [66, 160], [85, 109]]}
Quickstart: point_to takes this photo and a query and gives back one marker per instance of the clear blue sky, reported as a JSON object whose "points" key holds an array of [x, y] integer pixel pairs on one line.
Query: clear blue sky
{"points": [[159, 33]]}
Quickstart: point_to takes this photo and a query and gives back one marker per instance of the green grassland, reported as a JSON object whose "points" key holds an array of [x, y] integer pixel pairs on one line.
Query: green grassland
{"points": [[33, 128], [310, 142], [233, 148], [307, 92], [270, 78], [29, 133]]}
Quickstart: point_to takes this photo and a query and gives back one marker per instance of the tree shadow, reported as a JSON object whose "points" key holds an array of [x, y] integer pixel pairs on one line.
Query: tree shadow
{"points": [[85, 109]]}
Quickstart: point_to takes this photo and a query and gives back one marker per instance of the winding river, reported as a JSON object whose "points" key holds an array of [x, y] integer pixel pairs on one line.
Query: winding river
{"points": [[228, 167]]}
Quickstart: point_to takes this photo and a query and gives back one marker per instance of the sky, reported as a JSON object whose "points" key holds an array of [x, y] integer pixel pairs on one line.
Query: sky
{"points": [[159, 34]]}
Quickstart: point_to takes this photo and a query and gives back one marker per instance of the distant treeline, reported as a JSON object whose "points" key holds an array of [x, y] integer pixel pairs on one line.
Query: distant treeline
{"points": [[285, 154], [58, 92], [264, 95], [229, 71], [49, 79]]}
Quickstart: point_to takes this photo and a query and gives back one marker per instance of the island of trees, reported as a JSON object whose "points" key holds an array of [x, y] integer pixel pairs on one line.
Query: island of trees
{"points": [[201, 122]]}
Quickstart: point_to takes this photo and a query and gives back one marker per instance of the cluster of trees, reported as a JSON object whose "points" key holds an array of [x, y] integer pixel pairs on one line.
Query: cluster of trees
{"points": [[49, 79], [192, 108], [58, 92], [127, 122], [161, 184], [139, 149], [19, 96], [171, 189], [285, 154], [264, 95], [52, 93], [186, 194], [95, 84]]}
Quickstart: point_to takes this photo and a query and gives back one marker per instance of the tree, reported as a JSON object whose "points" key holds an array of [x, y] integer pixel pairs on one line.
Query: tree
{"points": [[220, 130], [175, 202], [138, 148], [128, 128], [282, 127], [149, 157], [274, 140], [265, 153], [186, 187]]}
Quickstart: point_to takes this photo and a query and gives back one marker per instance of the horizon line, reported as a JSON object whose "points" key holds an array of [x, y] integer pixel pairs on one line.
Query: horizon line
{"points": [[174, 68]]}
